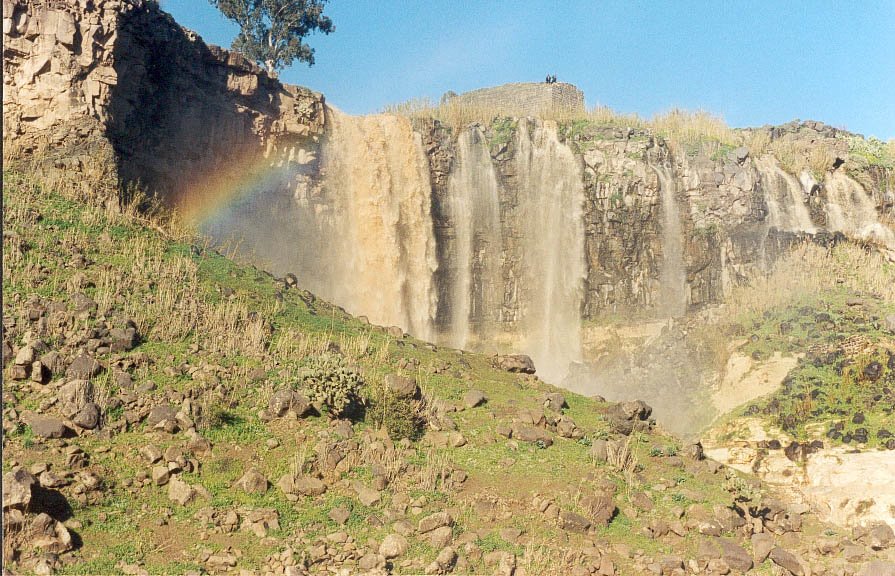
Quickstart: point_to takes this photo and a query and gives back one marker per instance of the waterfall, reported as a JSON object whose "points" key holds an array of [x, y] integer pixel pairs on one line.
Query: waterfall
{"points": [[551, 226], [474, 210], [851, 211], [375, 244], [784, 197], [672, 274]]}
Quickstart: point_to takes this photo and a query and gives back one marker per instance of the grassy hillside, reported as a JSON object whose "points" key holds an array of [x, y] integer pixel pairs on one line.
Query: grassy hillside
{"points": [[186, 469]]}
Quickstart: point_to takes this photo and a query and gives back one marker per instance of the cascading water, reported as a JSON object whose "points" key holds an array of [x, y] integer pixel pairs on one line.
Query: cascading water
{"points": [[851, 211], [374, 250], [551, 199], [474, 210], [672, 274], [784, 197]]}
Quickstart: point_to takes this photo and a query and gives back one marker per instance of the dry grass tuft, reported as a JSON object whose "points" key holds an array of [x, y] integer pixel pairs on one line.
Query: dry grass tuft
{"points": [[810, 270]]}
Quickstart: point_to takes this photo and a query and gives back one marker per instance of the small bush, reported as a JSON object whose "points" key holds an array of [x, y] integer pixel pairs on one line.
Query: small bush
{"points": [[401, 417], [332, 384]]}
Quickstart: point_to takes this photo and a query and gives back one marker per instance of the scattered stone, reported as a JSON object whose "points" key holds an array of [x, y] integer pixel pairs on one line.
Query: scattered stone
{"points": [[49, 535], [17, 487], [151, 453], [304, 485], [515, 363], [436, 520], [159, 414], [474, 398], [786, 560], [527, 433], [440, 537], [160, 475], [402, 386], [46, 426], [600, 509], [393, 546], [878, 567], [762, 544], [339, 515], [287, 400], [252, 482], [87, 417], [367, 496], [573, 522], [84, 367], [181, 492], [555, 401], [735, 556]]}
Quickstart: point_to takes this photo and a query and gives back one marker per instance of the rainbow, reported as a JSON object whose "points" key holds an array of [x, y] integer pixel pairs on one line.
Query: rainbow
{"points": [[202, 200]]}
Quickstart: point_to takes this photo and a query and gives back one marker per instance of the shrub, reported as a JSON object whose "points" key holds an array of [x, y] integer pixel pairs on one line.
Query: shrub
{"points": [[332, 384], [401, 417]]}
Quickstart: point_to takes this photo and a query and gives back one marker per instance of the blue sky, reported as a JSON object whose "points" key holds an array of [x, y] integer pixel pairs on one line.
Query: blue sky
{"points": [[753, 63]]}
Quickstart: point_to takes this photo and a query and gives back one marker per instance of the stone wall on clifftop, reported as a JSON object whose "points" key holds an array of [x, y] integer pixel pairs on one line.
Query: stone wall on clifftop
{"points": [[524, 98]]}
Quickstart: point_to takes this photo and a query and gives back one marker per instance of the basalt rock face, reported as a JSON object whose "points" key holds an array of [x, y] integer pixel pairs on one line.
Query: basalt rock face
{"points": [[120, 92]]}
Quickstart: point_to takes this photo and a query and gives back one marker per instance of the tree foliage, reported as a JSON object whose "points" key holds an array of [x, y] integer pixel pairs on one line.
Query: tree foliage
{"points": [[272, 31]]}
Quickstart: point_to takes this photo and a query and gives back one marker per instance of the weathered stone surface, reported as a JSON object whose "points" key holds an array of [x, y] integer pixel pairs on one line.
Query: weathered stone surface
{"points": [[433, 521], [180, 492], [393, 546], [17, 486], [88, 416], [527, 433], [84, 366], [252, 482], [787, 560], [474, 398], [878, 568], [402, 386], [515, 363], [46, 426], [573, 522], [735, 556]]}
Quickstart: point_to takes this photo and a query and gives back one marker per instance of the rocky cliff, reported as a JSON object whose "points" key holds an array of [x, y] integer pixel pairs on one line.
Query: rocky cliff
{"points": [[520, 227], [118, 91]]}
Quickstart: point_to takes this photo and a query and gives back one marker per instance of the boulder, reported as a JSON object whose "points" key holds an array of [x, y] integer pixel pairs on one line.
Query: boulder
{"points": [[878, 568], [252, 482], [180, 492], [474, 398], [436, 520], [46, 426], [440, 537], [786, 560], [393, 546], [49, 535], [401, 386], [555, 401], [515, 363], [17, 486], [762, 544], [880, 536], [288, 400], [88, 416], [527, 433], [83, 367], [74, 395], [159, 414], [735, 556], [573, 522]]}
